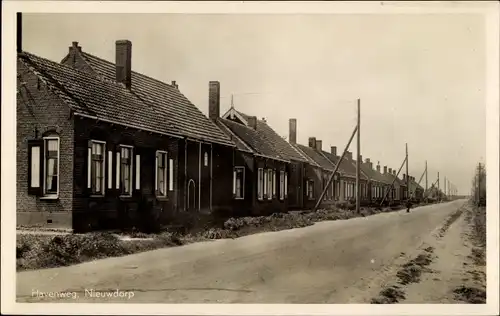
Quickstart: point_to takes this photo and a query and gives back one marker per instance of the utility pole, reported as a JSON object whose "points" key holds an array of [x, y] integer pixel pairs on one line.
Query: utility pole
{"points": [[444, 186], [358, 184], [439, 189], [407, 175], [426, 187]]}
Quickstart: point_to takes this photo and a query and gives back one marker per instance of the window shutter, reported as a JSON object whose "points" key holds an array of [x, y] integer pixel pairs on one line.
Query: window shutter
{"points": [[156, 171], [89, 165], [118, 166], [171, 174], [35, 167], [234, 182], [109, 169], [137, 172]]}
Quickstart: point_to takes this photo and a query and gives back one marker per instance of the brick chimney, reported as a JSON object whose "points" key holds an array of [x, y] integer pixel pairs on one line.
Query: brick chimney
{"points": [[378, 168], [390, 170], [385, 169], [404, 176], [333, 150], [19, 32], [348, 155], [214, 100], [360, 158], [174, 84], [292, 131], [124, 62], [312, 142], [319, 145], [394, 171], [252, 122]]}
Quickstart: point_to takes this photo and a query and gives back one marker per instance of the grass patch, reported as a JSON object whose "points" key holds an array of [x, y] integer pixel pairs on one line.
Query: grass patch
{"points": [[389, 295], [450, 220], [470, 295]]}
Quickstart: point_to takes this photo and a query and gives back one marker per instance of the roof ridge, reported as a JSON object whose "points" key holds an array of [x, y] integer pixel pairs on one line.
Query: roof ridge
{"points": [[45, 77], [138, 73]]}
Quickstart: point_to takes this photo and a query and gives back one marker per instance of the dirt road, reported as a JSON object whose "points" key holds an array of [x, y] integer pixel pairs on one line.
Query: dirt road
{"points": [[331, 262]]}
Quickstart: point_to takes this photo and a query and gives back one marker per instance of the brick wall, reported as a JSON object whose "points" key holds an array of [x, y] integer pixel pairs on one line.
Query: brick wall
{"points": [[38, 108], [113, 211]]}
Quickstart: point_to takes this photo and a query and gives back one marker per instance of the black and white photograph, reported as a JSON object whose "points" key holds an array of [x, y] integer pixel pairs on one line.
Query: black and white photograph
{"points": [[208, 155]]}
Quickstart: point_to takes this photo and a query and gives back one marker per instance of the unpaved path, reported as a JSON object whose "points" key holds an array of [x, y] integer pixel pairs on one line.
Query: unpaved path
{"points": [[331, 262], [449, 273]]}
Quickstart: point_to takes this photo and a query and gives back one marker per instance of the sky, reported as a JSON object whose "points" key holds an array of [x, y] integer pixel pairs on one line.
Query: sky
{"points": [[420, 78]]}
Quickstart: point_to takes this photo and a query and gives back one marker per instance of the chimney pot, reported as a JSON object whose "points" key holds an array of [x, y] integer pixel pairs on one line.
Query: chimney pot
{"points": [[292, 131], [319, 145], [174, 84], [312, 142], [124, 62], [252, 122], [214, 100], [333, 150]]}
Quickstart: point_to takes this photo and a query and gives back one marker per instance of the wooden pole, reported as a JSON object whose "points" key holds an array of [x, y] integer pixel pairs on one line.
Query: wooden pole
{"points": [[394, 180], [358, 184], [439, 189], [426, 187], [334, 170], [407, 175]]}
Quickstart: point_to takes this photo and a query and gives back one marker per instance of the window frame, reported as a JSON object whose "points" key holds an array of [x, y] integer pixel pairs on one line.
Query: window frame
{"points": [[103, 184], [45, 195], [269, 184], [131, 173], [260, 184], [235, 187], [165, 174]]}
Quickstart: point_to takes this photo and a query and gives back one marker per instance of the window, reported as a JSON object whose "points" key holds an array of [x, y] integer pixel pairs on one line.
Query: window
{"points": [[337, 189], [51, 166], [260, 184], [161, 173], [282, 185], [205, 159], [96, 168], [310, 189], [269, 184], [274, 183], [126, 170], [239, 182]]}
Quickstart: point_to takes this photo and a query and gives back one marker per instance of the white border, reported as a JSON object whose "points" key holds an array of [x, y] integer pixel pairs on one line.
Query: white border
{"points": [[489, 9]]}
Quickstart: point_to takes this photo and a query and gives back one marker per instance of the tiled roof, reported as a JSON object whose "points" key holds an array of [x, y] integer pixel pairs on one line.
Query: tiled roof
{"points": [[240, 145], [87, 94], [169, 105], [346, 166], [252, 138], [372, 173], [317, 157], [286, 150]]}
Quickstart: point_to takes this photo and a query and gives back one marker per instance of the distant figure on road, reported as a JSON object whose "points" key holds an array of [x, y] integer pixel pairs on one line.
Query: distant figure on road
{"points": [[408, 205]]}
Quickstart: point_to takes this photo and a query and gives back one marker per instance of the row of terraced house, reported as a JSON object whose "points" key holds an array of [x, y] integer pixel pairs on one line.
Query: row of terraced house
{"points": [[98, 142]]}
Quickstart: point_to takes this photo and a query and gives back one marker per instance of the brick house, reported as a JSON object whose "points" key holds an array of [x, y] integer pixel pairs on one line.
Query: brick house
{"points": [[377, 182], [416, 190], [101, 146], [262, 166], [316, 175]]}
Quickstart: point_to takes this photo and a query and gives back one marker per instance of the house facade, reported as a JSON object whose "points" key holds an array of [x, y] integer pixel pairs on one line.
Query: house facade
{"points": [[102, 146]]}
